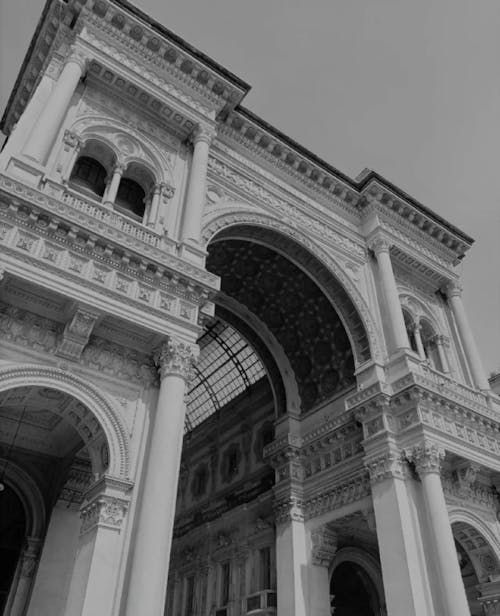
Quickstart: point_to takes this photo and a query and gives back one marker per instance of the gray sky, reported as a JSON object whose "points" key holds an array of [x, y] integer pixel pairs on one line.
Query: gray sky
{"points": [[408, 88]]}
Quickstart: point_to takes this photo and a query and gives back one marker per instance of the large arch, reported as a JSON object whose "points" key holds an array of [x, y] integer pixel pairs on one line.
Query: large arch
{"points": [[103, 410], [340, 290]]}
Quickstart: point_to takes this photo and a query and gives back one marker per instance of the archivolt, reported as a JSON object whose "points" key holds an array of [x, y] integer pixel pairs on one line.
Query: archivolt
{"points": [[350, 306], [26, 375]]}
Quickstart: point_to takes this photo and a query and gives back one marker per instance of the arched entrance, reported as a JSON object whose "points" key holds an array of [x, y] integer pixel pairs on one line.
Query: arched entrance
{"points": [[12, 533], [478, 561], [53, 448], [287, 293], [352, 591]]}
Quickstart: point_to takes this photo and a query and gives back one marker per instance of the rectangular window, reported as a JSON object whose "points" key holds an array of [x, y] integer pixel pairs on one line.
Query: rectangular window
{"points": [[189, 605], [265, 568], [225, 574]]}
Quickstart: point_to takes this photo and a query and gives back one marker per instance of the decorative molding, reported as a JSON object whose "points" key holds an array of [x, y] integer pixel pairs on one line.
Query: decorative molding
{"points": [[344, 493]]}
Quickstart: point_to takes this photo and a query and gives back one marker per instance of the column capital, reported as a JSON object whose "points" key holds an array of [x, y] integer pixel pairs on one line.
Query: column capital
{"points": [[202, 132], [289, 509], [119, 167], [77, 56], [378, 245], [453, 289], [176, 358], [324, 546], [427, 457], [387, 465]]}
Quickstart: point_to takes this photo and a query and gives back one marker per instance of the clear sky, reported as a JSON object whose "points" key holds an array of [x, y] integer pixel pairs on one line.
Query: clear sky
{"points": [[410, 89]]}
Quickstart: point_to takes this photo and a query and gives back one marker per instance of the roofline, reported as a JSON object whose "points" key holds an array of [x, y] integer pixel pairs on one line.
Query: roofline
{"points": [[161, 29], [374, 175], [27, 58], [249, 115]]}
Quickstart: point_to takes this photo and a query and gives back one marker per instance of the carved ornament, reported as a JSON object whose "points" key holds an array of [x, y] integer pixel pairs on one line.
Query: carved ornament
{"points": [[106, 511], [324, 546], [386, 466], [288, 509], [76, 334], [428, 457], [175, 358]]}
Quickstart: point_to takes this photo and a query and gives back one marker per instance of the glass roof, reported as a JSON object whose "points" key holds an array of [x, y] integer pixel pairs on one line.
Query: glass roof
{"points": [[227, 366]]}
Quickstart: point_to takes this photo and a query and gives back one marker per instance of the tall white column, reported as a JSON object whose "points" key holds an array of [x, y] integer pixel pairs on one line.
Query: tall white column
{"points": [[114, 184], [406, 586], [153, 539], [49, 121], [428, 458], [291, 559], [195, 199], [94, 578], [454, 294], [394, 320]]}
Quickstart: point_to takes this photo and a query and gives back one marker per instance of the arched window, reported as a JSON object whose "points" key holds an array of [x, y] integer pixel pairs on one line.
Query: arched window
{"points": [[410, 330], [90, 175], [429, 343], [131, 197]]}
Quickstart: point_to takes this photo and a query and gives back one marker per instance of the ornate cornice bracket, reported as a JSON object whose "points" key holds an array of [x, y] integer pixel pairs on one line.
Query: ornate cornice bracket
{"points": [[289, 509], [324, 546], [76, 334], [175, 358]]}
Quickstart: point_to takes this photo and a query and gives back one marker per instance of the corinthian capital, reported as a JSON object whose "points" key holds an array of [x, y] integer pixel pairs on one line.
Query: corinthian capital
{"points": [[79, 57], [378, 245], [453, 289], [203, 133], [176, 358], [427, 457]]}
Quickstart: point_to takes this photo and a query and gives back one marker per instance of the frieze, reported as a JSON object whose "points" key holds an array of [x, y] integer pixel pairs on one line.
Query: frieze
{"points": [[292, 215], [473, 492], [342, 494]]}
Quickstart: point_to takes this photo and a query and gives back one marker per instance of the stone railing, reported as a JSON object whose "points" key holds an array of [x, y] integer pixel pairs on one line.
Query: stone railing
{"points": [[120, 222]]}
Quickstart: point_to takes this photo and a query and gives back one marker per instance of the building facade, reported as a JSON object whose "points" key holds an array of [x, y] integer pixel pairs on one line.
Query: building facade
{"points": [[233, 380]]}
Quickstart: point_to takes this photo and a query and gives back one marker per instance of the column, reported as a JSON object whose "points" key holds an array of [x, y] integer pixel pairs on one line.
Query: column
{"points": [[94, 578], [394, 321], [428, 458], [291, 558], [112, 187], [72, 146], [406, 586], [153, 539], [29, 561], [49, 121], [195, 199], [161, 192], [440, 341], [324, 547], [454, 294], [417, 328]]}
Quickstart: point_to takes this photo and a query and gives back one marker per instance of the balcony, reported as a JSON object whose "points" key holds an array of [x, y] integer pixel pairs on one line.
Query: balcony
{"points": [[261, 603]]}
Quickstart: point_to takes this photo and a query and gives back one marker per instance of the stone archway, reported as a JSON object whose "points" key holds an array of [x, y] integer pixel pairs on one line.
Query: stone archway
{"points": [[103, 415], [478, 559], [330, 275], [359, 572]]}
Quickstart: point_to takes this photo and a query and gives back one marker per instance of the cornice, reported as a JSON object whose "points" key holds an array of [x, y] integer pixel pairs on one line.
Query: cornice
{"points": [[417, 218]]}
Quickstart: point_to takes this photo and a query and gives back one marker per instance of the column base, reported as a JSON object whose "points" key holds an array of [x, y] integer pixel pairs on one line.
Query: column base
{"points": [[192, 251], [27, 170]]}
